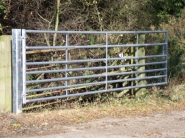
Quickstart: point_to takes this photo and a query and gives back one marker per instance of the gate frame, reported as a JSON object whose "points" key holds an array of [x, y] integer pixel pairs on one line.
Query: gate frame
{"points": [[19, 61]]}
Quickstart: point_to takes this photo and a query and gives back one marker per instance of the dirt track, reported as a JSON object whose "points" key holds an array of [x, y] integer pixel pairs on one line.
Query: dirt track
{"points": [[164, 125]]}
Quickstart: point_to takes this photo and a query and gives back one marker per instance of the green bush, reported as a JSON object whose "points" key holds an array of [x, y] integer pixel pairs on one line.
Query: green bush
{"points": [[175, 53]]}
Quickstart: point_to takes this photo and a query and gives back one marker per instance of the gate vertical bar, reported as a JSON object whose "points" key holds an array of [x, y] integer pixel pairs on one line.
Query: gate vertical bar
{"points": [[136, 55], [24, 64], [17, 71], [166, 57], [106, 60], [66, 73]]}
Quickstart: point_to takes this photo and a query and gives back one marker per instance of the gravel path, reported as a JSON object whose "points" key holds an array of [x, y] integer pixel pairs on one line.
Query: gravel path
{"points": [[159, 125]]}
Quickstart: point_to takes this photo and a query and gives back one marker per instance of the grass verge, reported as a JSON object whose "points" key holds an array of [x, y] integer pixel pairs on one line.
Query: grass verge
{"points": [[47, 117]]}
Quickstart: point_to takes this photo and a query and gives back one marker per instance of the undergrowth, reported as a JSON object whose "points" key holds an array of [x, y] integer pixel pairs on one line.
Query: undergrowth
{"points": [[174, 92]]}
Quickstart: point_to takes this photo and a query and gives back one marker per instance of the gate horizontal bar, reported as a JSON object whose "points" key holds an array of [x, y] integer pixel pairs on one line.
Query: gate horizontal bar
{"points": [[64, 87], [133, 79], [136, 65], [93, 92], [65, 62], [134, 72], [64, 70], [94, 83], [135, 57], [82, 69], [64, 79], [95, 32], [91, 76], [109, 67], [83, 77], [90, 60], [93, 46]]}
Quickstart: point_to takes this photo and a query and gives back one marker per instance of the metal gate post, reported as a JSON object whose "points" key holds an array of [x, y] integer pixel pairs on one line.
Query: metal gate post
{"points": [[17, 71], [23, 46]]}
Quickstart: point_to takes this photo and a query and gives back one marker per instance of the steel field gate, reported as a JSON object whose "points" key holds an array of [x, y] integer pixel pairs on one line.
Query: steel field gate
{"points": [[59, 64]]}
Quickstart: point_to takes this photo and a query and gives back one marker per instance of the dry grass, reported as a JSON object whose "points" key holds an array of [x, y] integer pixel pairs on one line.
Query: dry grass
{"points": [[171, 98]]}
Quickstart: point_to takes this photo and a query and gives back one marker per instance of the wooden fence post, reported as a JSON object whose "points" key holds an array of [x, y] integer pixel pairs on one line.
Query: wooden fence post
{"points": [[5, 73], [141, 52]]}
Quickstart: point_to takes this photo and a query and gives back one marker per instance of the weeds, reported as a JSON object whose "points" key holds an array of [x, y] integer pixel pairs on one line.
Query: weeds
{"points": [[174, 93], [16, 125]]}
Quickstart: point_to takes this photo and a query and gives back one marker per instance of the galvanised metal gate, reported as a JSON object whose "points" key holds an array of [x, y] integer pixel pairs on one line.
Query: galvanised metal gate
{"points": [[87, 62]]}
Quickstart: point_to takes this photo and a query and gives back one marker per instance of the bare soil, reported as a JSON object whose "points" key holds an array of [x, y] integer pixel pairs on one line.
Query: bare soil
{"points": [[164, 125], [151, 120]]}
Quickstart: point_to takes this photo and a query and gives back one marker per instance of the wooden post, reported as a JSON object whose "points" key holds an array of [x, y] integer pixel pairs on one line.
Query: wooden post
{"points": [[5, 73], [141, 52]]}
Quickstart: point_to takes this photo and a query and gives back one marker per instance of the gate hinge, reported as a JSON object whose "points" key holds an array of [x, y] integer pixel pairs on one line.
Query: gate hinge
{"points": [[24, 98]]}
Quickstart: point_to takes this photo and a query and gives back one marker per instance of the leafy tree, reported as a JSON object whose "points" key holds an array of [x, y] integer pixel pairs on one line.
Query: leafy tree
{"points": [[85, 14], [4, 10], [172, 7]]}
